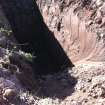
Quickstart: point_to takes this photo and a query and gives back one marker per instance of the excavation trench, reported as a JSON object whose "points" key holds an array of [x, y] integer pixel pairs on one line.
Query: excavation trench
{"points": [[79, 44], [29, 26]]}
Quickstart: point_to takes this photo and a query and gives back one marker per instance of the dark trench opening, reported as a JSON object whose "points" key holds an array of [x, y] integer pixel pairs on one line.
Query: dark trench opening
{"points": [[30, 30]]}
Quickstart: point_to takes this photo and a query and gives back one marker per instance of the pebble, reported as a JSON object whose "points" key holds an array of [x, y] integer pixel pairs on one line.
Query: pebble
{"points": [[9, 93], [98, 20], [99, 2]]}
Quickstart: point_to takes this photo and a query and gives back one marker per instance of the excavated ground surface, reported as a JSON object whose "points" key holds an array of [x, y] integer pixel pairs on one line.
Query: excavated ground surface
{"points": [[79, 26], [69, 21]]}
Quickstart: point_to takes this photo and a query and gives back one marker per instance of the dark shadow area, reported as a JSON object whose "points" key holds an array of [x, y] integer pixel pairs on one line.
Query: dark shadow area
{"points": [[30, 30], [60, 85]]}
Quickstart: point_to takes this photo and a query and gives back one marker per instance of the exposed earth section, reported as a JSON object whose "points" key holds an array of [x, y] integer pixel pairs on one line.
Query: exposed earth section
{"points": [[75, 24], [79, 26]]}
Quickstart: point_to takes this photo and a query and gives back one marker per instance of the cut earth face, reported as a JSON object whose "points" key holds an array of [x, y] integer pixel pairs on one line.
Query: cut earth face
{"points": [[30, 30]]}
